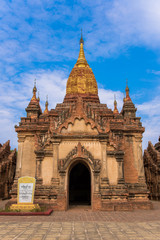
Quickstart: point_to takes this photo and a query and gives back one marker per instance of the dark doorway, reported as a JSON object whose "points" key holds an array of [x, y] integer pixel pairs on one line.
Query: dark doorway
{"points": [[80, 185]]}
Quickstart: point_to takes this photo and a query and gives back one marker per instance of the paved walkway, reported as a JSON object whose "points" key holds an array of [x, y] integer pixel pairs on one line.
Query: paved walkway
{"points": [[83, 224]]}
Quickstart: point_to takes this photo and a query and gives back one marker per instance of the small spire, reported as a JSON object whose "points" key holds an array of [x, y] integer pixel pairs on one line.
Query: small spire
{"points": [[127, 88], [81, 62], [34, 91], [115, 105], [127, 92], [46, 106]]}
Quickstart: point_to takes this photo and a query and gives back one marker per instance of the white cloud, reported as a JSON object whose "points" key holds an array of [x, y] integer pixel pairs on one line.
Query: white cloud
{"points": [[155, 72], [152, 130], [136, 22], [116, 25], [107, 97], [149, 111], [150, 108], [41, 32], [15, 96]]}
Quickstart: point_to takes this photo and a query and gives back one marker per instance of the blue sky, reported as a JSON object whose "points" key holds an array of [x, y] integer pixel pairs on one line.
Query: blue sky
{"points": [[40, 39]]}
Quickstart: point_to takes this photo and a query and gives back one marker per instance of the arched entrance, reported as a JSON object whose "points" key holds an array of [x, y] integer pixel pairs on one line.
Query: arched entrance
{"points": [[80, 185]]}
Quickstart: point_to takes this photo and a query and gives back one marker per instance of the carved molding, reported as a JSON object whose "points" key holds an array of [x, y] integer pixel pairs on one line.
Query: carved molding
{"points": [[72, 119], [119, 155], [42, 141], [78, 113], [82, 153]]}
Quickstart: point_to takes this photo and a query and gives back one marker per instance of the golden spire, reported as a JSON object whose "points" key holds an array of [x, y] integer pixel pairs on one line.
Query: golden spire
{"points": [[115, 106], [81, 62], [127, 92], [81, 79], [34, 91], [46, 106]]}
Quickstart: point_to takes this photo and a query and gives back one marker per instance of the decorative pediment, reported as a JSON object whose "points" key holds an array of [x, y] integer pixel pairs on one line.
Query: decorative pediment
{"points": [[78, 121], [79, 126], [79, 152]]}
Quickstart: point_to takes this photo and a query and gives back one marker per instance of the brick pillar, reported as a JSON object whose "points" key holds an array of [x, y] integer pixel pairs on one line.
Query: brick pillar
{"points": [[20, 155], [120, 161], [62, 201], [39, 159], [130, 169], [104, 169], [55, 178], [141, 175]]}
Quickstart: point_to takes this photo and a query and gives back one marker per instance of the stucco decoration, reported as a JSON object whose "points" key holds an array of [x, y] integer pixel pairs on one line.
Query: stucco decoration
{"points": [[79, 152], [42, 140], [80, 126], [79, 114]]}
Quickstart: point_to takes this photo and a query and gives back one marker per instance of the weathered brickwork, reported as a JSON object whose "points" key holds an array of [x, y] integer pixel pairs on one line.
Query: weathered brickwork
{"points": [[130, 172], [152, 169], [83, 131], [7, 169]]}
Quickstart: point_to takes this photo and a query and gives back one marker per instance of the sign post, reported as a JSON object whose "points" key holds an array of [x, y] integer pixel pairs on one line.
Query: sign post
{"points": [[25, 196]]}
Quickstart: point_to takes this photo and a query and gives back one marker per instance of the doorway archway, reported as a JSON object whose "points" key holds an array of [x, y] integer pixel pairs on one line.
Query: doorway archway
{"points": [[80, 185]]}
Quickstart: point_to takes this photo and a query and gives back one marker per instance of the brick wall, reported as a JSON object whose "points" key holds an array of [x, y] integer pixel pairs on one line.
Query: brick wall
{"points": [[7, 169]]}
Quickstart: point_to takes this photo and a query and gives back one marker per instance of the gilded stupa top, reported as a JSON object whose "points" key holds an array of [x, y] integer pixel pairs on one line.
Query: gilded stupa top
{"points": [[81, 79]]}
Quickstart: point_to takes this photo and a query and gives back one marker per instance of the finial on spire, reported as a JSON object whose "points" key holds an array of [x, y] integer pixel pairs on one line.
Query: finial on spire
{"points": [[115, 105], [81, 62], [46, 106], [81, 40], [127, 88], [34, 90]]}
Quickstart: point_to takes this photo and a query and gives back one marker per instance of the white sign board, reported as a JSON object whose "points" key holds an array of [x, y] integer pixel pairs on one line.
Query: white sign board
{"points": [[25, 192], [26, 187]]}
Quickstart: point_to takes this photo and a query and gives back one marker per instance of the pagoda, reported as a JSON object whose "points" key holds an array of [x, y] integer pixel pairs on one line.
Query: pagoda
{"points": [[82, 152]]}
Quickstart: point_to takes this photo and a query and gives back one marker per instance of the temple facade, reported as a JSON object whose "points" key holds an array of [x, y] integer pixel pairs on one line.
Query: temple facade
{"points": [[82, 152], [151, 159]]}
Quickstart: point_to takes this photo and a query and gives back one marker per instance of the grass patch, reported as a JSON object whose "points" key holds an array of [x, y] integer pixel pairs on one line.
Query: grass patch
{"points": [[7, 209], [40, 209]]}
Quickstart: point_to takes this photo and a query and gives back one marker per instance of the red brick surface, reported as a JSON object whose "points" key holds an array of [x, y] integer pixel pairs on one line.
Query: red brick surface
{"points": [[85, 213], [130, 172]]}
